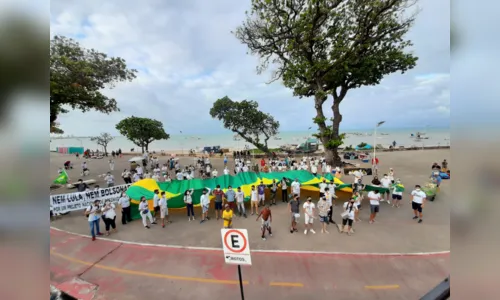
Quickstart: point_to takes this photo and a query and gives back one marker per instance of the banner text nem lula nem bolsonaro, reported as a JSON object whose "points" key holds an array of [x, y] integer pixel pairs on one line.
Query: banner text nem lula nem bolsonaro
{"points": [[80, 200]]}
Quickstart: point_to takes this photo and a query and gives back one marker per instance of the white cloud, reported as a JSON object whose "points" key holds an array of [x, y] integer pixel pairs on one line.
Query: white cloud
{"points": [[187, 58]]}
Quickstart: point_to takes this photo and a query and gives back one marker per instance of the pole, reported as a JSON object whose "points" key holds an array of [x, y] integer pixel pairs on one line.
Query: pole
{"points": [[374, 163], [241, 283]]}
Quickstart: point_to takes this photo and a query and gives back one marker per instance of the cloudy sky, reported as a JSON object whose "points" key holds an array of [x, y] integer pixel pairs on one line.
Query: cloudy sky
{"points": [[187, 58]]}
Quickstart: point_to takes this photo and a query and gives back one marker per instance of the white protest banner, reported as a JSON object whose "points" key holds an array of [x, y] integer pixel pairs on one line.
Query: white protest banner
{"points": [[80, 200]]}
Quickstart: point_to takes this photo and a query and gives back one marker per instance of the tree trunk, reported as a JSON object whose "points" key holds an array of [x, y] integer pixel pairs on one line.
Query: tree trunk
{"points": [[147, 147], [337, 118], [105, 150], [142, 148]]}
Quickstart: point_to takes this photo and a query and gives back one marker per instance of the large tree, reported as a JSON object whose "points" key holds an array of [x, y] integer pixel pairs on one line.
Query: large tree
{"points": [[323, 48], [103, 140], [245, 119], [77, 76], [142, 131]]}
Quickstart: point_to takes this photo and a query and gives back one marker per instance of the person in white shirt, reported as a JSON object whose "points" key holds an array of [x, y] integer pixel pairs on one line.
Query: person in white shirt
{"points": [[139, 171], [136, 177], [284, 190], [215, 173], [156, 206], [386, 183], [374, 197], [254, 201], [418, 199], [179, 175], [145, 213], [348, 215], [296, 187], [110, 179], [309, 209], [155, 177], [245, 168], [109, 216], [124, 202], [163, 204], [358, 198], [226, 171], [240, 198], [331, 188], [314, 170], [93, 212], [188, 200], [156, 171], [391, 174], [111, 164], [164, 170], [126, 176], [205, 203], [147, 175], [322, 187], [85, 170]]}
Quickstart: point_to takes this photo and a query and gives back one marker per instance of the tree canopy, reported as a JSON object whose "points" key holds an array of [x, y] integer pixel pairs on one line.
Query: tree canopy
{"points": [[77, 76], [325, 48], [142, 131], [245, 119], [103, 140]]}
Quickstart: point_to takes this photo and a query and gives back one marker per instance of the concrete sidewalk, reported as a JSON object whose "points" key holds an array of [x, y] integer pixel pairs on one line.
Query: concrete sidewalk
{"points": [[111, 270]]}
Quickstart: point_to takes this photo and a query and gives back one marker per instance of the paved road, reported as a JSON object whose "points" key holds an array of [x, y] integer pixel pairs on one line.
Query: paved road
{"points": [[111, 270]]}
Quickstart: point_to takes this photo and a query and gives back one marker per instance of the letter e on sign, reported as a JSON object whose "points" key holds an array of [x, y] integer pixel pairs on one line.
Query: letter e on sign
{"points": [[235, 241]]}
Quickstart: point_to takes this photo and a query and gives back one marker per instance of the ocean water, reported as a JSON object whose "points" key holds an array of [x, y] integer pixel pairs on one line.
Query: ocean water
{"points": [[182, 143]]}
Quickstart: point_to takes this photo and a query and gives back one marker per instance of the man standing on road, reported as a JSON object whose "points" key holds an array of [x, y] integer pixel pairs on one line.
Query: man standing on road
{"points": [[218, 193], [261, 188], [418, 199], [254, 201], [124, 202], [309, 209], [230, 196], [296, 187], [156, 199], [284, 190], [240, 198], [274, 188], [205, 204], [331, 189], [374, 197], [267, 219], [322, 186], [293, 208], [386, 183], [163, 204], [323, 208]]}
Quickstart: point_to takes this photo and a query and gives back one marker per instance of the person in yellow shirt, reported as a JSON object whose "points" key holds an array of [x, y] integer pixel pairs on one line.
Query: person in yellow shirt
{"points": [[227, 216]]}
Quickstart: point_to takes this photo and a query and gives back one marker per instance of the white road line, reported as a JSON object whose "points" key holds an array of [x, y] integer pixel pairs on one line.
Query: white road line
{"points": [[260, 251]]}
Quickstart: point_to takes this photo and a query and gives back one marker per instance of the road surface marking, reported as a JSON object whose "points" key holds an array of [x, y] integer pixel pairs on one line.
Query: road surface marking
{"points": [[260, 251], [287, 284], [382, 287], [146, 274]]}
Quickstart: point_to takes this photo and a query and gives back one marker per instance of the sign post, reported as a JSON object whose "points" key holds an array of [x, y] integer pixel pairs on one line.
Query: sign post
{"points": [[236, 250]]}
